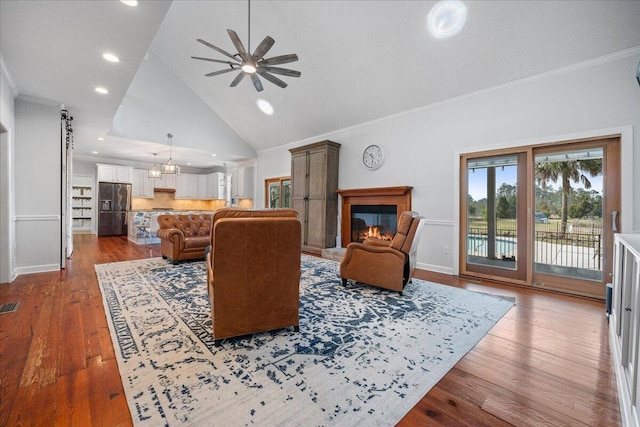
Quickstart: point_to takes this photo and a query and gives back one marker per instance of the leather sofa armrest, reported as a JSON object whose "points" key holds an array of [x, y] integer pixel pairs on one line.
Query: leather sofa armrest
{"points": [[370, 249], [372, 241], [171, 234]]}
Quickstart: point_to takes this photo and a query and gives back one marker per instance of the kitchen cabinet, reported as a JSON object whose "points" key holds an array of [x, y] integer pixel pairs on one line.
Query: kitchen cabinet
{"points": [[216, 186], [624, 324], [188, 187], [314, 181], [142, 186], [166, 181], [242, 183], [115, 173]]}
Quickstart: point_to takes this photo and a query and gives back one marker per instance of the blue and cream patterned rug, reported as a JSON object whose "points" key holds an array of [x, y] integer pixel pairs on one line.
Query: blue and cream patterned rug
{"points": [[362, 356]]}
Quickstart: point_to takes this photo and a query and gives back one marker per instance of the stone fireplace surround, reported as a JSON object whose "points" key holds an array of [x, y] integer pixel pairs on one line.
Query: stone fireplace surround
{"points": [[398, 196]]}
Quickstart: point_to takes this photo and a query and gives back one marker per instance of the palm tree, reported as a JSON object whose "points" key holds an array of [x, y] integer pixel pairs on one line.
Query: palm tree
{"points": [[571, 170]]}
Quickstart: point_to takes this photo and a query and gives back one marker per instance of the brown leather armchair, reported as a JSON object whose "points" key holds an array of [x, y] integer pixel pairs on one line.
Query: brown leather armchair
{"points": [[253, 271], [184, 237], [382, 263]]}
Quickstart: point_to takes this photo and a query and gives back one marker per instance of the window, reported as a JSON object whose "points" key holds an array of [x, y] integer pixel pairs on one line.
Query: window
{"points": [[277, 192]]}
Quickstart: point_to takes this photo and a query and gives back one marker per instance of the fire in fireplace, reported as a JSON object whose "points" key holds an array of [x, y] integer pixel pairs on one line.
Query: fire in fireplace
{"points": [[380, 221]]}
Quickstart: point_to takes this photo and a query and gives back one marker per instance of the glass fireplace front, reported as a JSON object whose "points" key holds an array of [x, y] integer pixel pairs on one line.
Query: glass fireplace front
{"points": [[380, 221]]}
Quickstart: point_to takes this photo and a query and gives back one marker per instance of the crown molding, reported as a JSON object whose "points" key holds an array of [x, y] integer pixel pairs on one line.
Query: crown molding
{"points": [[4, 70], [37, 100], [635, 50]]}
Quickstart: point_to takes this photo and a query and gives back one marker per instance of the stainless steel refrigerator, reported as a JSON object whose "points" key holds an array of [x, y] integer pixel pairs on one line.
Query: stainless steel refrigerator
{"points": [[114, 201]]}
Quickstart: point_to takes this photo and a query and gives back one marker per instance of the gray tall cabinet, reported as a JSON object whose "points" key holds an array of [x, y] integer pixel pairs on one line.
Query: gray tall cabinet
{"points": [[314, 181]]}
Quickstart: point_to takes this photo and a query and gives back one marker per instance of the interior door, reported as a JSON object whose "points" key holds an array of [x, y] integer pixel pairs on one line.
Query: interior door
{"points": [[494, 215]]}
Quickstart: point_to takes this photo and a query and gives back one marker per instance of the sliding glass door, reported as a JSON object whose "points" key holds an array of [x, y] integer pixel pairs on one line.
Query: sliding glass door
{"points": [[542, 215], [577, 203], [494, 242]]}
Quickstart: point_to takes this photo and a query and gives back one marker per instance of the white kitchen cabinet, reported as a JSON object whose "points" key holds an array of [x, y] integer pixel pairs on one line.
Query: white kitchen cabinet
{"points": [[216, 186], [242, 183], [115, 173], [202, 187], [167, 181], [142, 186], [187, 186], [624, 324]]}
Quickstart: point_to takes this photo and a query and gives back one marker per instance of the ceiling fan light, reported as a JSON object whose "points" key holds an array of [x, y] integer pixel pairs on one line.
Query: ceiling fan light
{"points": [[249, 68]]}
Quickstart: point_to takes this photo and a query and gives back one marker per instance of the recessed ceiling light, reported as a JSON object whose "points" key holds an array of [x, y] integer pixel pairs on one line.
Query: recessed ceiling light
{"points": [[100, 138], [213, 155], [131, 3], [110, 57], [94, 152], [265, 106], [189, 163], [446, 18], [101, 90]]}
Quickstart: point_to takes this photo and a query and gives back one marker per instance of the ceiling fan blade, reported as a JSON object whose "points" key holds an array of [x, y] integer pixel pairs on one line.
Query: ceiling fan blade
{"points": [[282, 71], [282, 59], [217, 49], [273, 79], [238, 78], [214, 60], [215, 73], [263, 48], [256, 82], [238, 44]]}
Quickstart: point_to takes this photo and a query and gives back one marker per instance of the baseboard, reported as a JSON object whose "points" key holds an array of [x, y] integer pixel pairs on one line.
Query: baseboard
{"points": [[37, 269], [434, 268]]}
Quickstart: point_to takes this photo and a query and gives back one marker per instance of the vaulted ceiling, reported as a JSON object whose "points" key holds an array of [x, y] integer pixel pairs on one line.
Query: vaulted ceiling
{"points": [[360, 61]]}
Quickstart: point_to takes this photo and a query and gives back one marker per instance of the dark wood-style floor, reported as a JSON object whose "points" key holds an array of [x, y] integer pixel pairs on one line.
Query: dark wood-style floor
{"points": [[547, 362]]}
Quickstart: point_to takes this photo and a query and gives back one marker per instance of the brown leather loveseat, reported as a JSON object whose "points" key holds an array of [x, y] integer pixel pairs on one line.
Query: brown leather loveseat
{"points": [[253, 271], [184, 237]]}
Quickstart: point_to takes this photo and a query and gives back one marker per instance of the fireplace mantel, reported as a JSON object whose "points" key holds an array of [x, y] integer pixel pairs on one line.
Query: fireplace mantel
{"points": [[399, 196]]}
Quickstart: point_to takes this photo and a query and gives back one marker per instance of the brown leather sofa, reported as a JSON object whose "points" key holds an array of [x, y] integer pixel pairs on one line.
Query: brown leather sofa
{"points": [[382, 263], [184, 237], [253, 271]]}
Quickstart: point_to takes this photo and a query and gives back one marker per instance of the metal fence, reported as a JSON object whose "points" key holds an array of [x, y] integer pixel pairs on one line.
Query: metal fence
{"points": [[579, 247]]}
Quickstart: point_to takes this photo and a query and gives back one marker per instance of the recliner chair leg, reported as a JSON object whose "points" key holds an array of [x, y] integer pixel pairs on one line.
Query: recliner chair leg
{"points": [[296, 328], [344, 282]]}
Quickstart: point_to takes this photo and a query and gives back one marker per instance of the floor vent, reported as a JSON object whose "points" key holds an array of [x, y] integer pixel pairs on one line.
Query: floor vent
{"points": [[9, 307]]}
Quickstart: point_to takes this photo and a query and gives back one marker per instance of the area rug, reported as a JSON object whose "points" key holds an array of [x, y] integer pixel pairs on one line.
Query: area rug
{"points": [[362, 356]]}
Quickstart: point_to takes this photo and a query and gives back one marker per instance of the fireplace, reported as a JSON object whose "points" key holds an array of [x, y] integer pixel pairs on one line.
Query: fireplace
{"points": [[379, 221], [372, 212]]}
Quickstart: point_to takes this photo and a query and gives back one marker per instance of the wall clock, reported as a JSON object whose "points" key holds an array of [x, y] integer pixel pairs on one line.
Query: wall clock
{"points": [[373, 157]]}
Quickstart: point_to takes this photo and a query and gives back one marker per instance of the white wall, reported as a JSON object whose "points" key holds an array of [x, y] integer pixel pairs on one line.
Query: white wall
{"points": [[7, 144], [37, 186], [158, 102], [422, 146]]}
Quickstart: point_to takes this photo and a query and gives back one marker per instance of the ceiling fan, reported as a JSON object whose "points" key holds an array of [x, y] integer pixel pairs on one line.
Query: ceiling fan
{"points": [[252, 64]]}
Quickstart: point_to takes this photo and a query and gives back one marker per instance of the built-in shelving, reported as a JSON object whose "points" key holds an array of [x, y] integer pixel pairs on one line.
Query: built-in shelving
{"points": [[82, 207]]}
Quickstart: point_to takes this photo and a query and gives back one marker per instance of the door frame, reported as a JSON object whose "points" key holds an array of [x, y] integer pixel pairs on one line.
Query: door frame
{"points": [[625, 133], [521, 273]]}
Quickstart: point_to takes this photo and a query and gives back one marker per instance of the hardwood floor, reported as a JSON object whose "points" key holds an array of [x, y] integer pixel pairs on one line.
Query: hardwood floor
{"points": [[547, 362]]}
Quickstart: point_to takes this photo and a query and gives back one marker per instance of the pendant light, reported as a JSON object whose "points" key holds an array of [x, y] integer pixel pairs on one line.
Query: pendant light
{"points": [[155, 171], [170, 168]]}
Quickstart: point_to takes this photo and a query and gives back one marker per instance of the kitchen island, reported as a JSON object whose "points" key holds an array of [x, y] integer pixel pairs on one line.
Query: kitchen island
{"points": [[143, 224]]}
